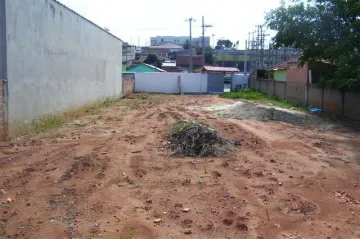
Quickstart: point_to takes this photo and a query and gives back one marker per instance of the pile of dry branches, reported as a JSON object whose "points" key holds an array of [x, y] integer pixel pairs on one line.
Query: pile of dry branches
{"points": [[200, 140]]}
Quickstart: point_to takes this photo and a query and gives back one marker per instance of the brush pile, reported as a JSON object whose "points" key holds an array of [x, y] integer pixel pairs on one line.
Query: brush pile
{"points": [[195, 139]]}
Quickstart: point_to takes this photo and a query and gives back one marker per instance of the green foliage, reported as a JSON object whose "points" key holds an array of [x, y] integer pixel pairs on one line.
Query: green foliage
{"points": [[224, 44], [152, 59], [325, 30], [186, 45], [181, 125], [3, 231], [250, 94]]}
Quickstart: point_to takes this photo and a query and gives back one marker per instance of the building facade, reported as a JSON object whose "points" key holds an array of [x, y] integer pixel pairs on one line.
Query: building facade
{"points": [[197, 41]]}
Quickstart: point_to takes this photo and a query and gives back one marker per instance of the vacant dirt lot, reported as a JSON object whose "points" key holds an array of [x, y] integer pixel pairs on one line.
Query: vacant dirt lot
{"points": [[109, 176]]}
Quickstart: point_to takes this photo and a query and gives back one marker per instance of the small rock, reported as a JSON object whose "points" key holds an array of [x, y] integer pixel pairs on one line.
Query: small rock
{"points": [[241, 226], [280, 183], [272, 161], [246, 187], [217, 174], [355, 185], [188, 232], [291, 176], [28, 204], [124, 174], [149, 201], [178, 205], [157, 220], [2, 191], [186, 209], [228, 221], [164, 213]]}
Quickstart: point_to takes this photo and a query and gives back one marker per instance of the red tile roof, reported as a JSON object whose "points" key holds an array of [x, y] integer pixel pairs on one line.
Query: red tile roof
{"points": [[220, 69]]}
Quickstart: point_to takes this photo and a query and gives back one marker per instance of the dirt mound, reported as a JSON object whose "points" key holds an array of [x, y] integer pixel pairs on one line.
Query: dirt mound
{"points": [[195, 139]]}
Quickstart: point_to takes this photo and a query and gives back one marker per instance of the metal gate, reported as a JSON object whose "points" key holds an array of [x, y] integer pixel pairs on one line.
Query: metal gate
{"points": [[216, 82]]}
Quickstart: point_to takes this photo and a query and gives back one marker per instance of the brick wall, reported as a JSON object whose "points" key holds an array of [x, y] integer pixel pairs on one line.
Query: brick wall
{"points": [[128, 86], [294, 73]]}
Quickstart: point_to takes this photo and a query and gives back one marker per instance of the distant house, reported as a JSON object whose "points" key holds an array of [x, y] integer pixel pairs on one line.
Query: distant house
{"points": [[183, 61], [164, 49], [143, 67]]}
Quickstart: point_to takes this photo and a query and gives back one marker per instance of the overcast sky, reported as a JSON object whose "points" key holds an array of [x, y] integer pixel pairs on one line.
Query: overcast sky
{"points": [[131, 20]]}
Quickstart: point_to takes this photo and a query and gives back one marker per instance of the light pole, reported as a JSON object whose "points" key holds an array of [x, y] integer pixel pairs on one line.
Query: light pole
{"points": [[213, 35], [190, 20], [203, 38]]}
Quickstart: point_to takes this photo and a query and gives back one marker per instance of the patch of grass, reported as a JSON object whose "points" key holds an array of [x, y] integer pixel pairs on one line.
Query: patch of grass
{"points": [[129, 235], [250, 94], [3, 231], [279, 208]]}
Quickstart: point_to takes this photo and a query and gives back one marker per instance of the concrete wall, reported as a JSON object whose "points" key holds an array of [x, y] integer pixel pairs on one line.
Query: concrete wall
{"points": [[296, 92], [167, 82], [315, 96], [280, 89], [56, 59], [262, 86], [332, 101], [128, 86], [240, 79], [300, 93], [351, 105], [3, 72]]}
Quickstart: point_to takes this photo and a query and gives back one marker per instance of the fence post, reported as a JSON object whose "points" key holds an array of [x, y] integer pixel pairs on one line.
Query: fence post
{"points": [[342, 102], [322, 97], [285, 90], [266, 89], [274, 87]]}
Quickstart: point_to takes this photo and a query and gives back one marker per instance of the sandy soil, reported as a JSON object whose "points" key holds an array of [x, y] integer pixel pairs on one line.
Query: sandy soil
{"points": [[109, 176]]}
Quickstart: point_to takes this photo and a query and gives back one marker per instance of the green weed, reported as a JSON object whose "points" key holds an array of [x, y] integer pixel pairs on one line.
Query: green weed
{"points": [[250, 94], [279, 208], [3, 231]]}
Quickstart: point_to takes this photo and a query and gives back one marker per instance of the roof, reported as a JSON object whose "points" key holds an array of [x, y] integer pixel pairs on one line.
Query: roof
{"points": [[154, 67], [220, 69], [169, 64], [166, 45]]}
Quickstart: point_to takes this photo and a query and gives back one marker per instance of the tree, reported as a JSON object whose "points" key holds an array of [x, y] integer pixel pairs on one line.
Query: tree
{"points": [[152, 59], [186, 45], [209, 59], [325, 30], [223, 44]]}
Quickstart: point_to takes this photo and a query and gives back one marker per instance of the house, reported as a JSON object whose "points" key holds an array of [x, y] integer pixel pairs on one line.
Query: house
{"points": [[143, 67], [184, 61], [170, 66], [164, 49], [217, 69], [197, 41], [128, 52]]}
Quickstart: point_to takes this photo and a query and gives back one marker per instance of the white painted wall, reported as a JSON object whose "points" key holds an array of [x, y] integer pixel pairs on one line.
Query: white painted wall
{"points": [[167, 82], [240, 79], [56, 59]]}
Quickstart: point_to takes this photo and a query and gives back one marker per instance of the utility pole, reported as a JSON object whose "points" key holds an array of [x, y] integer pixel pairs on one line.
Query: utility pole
{"points": [[203, 38], [190, 20], [213, 35], [245, 63]]}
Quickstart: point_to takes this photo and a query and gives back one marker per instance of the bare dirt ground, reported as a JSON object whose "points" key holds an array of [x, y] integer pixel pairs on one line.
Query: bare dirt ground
{"points": [[109, 176]]}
